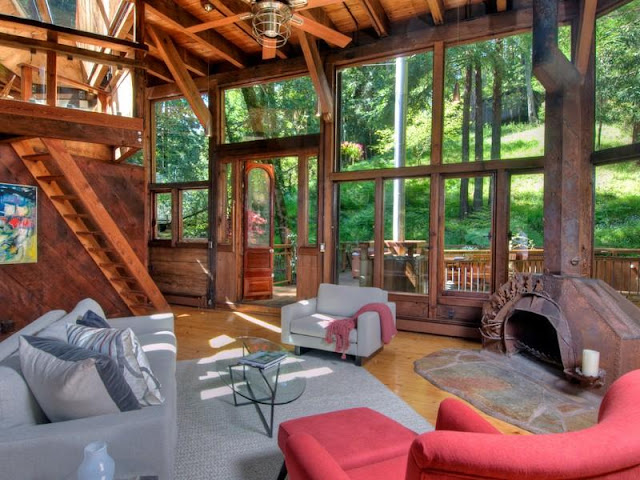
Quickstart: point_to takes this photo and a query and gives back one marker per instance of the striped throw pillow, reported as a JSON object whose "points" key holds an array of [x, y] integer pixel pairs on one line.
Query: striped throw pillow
{"points": [[123, 347]]}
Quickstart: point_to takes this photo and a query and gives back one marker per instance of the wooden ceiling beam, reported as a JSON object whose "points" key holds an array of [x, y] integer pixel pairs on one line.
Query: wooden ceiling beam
{"points": [[179, 19], [317, 74], [437, 11], [378, 16], [181, 76], [194, 64], [585, 35], [44, 11]]}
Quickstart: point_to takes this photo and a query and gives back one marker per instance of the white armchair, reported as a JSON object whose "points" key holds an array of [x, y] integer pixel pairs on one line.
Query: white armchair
{"points": [[304, 323]]}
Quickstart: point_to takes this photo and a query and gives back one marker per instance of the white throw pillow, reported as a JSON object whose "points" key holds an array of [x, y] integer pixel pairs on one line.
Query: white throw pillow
{"points": [[123, 347], [70, 382]]}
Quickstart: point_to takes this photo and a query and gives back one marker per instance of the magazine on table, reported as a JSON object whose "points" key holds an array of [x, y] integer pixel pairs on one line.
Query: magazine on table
{"points": [[263, 359]]}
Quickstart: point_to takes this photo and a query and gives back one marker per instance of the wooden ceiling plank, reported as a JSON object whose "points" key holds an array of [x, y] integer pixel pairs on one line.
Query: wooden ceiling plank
{"points": [[437, 11], [585, 35], [180, 19], [378, 16], [317, 74], [334, 37], [181, 75]]}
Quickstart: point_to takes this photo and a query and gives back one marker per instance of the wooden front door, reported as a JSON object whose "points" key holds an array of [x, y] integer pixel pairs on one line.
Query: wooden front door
{"points": [[258, 231]]}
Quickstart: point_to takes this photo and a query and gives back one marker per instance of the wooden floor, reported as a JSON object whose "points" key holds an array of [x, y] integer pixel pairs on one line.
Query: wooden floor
{"points": [[198, 330]]}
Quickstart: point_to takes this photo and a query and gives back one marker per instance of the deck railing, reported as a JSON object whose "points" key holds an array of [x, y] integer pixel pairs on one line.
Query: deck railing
{"points": [[470, 270], [284, 264]]}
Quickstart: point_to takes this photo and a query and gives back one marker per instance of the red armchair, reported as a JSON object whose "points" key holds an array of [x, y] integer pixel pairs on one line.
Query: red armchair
{"points": [[465, 446]]}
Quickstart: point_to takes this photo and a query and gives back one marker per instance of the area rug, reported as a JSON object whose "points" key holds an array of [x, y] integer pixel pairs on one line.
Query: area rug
{"points": [[217, 440], [515, 389]]}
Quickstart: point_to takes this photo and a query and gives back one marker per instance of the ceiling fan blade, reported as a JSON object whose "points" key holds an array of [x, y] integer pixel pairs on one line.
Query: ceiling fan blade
{"points": [[219, 23], [268, 49], [316, 29]]}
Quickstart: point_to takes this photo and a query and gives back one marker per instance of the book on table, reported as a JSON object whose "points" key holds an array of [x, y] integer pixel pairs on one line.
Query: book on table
{"points": [[263, 359]]}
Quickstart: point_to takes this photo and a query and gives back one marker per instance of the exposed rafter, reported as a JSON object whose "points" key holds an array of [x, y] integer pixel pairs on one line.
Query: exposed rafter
{"points": [[378, 16], [585, 35], [179, 20], [317, 74], [437, 11], [193, 63], [181, 75]]}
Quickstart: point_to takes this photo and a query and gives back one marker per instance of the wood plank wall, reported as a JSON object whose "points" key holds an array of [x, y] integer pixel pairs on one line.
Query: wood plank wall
{"points": [[64, 273], [181, 273]]}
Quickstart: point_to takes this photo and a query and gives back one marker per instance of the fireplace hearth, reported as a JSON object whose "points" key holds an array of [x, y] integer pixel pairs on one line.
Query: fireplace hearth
{"points": [[554, 317]]}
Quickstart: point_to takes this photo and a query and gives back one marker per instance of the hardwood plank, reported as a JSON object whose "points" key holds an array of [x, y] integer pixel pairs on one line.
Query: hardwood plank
{"points": [[197, 329]]}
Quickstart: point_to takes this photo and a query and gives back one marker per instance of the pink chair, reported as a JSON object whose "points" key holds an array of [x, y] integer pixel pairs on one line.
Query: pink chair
{"points": [[360, 444]]}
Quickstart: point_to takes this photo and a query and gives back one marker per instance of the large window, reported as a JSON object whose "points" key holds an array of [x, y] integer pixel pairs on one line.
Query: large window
{"points": [[493, 105], [617, 227], [406, 234], [181, 153], [385, 113], [270, 110], [195, 214], [526, 224], [617, 81]]}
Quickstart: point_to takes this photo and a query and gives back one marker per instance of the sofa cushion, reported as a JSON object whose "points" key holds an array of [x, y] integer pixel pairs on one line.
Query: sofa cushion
{"points": [[58, 330], [123, 347], [316, 326], [18, 406], [345, 300], [70, 382], [10, 345], [93, 320]]}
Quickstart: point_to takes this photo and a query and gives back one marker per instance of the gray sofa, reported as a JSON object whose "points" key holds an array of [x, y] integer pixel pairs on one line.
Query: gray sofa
{"points": [[142, 442], [304, 323]]}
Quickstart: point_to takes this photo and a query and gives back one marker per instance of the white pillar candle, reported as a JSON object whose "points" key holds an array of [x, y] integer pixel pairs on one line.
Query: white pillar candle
{"points": [[590, 363]]}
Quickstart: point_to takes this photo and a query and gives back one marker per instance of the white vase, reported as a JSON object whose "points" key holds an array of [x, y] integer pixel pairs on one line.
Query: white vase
{"points": [[97, 464]]}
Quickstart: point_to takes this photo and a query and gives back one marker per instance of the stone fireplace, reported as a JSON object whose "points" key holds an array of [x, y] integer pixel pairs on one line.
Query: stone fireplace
{"points": [[554, 317]]}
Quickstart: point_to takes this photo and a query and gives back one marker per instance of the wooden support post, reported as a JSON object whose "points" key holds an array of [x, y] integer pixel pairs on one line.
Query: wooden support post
{"points": [[26, 82], [501, 229], [568, 197], [215, 192], [316, 72], [378, 229], [139, 75], [585, 35], [52, 72]]}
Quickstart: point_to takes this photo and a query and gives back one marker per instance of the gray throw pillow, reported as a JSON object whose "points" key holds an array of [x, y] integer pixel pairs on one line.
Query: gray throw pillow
{"points": [[71, 382], [125, 348], [93, 320]]}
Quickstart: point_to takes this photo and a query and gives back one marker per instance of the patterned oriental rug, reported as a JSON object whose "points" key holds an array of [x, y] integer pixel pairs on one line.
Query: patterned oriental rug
{"points": [[515, 389]]}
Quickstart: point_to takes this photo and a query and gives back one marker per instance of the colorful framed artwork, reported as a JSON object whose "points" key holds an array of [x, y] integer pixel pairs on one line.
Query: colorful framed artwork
{"points": [[18, 221]]}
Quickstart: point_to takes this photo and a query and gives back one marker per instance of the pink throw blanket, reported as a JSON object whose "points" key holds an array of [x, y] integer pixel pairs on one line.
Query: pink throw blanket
{"points": [[340, 329]]}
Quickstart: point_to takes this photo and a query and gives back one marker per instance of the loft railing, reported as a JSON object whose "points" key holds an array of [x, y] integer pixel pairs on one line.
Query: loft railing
{"points": [[284, 264]]}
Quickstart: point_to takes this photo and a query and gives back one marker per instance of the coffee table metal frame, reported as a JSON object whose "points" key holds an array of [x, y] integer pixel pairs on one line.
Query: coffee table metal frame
{"points": [[270, 401]]}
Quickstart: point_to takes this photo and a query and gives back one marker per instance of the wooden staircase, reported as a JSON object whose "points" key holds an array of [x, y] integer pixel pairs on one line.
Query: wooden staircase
{"points": [[60, 178]]}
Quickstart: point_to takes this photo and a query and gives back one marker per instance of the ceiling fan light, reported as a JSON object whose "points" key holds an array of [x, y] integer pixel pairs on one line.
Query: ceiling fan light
{"points": [[207, 6], [271, 22]]}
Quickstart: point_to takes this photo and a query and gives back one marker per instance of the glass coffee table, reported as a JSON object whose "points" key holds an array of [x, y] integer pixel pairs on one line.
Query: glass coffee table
{"points": [[277, 384]]}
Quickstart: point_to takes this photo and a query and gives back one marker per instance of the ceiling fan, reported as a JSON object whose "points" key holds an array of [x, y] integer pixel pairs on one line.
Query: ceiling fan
{"points": [[272, 20]]}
